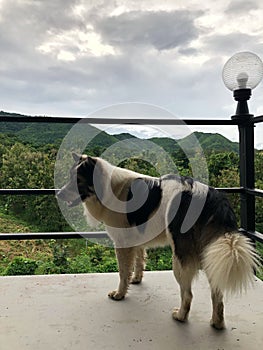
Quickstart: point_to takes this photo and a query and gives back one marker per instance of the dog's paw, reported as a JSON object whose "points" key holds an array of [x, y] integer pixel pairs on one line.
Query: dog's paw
{"points": [[218, 325], [136, 280], [115, 295], [177, 316]]}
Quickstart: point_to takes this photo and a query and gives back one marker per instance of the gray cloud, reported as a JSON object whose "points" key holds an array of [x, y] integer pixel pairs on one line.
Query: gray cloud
{"points": [[39, 15], [162, 30], [238, 7], [230, 43]]}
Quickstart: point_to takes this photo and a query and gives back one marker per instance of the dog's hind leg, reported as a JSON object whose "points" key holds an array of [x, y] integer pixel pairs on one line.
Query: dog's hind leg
{"points": [[184, 276], [217, 320], [139, 265], [125, 257]]}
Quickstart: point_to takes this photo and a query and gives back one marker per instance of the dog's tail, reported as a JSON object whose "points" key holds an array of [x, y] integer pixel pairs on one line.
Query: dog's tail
{"points": [[229, 262]]}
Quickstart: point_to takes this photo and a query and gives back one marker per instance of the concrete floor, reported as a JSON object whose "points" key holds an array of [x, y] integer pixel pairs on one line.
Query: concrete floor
{"points": [[63, 312]]}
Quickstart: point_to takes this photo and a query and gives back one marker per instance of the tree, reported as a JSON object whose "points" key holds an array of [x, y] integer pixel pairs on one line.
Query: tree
{"points": [[217, 162], [23, 167]]}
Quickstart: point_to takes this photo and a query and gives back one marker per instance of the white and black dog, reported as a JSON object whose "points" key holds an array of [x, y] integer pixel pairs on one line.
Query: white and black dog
{"points": [[141, 212]]}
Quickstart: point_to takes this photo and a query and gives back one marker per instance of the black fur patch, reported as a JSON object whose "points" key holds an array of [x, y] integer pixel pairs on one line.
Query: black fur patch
{"points": [[178, 210], [187, 180], [147, 190], [216, 213], [85, 182], [184, 180], [218, 209]]}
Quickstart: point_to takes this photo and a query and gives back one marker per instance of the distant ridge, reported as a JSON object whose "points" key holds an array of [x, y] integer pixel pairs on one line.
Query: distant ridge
{"points": [[39, 134], [209, 142], [124, 136]]}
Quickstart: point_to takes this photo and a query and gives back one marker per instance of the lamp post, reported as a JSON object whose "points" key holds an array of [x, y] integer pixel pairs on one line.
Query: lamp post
{"points": [[242, 73]]}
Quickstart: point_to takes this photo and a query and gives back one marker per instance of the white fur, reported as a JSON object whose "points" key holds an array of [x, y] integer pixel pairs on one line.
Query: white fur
{"points": [[229, 262], [91, 221]]}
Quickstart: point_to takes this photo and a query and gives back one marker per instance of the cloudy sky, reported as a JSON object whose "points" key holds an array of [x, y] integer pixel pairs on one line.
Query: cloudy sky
{"points": [[74, 57]]}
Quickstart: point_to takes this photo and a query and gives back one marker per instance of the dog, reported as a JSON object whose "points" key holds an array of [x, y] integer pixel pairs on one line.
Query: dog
{"points": [[141, 212]]}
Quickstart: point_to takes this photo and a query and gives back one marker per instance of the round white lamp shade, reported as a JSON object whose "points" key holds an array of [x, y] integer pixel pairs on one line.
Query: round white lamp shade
{"points": [[244, 70]]}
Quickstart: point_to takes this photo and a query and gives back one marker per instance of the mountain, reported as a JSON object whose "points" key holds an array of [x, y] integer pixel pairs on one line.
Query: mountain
{"points": [[168, 144], [124, 136], [209, 142], [36, 134], [190, 144], [39, 134]]}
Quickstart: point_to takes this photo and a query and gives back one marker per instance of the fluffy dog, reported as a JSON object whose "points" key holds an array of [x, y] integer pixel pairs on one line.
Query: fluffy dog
{"points": [[141, 212]]}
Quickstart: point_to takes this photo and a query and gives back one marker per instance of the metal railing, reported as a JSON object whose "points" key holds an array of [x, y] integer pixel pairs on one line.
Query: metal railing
{"points": [[247, 178]]}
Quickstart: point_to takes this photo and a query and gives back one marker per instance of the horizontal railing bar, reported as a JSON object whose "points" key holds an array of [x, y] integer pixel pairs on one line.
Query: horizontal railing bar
{"points": [[256, 236], [39, 119], [256, 192], [230, 189], [89, 120], [258, 119], [52, 235], [35, 191], [28, 191]]}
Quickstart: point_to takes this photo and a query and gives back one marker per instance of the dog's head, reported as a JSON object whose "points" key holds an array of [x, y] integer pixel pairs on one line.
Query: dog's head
{"points": [[80, 186]]}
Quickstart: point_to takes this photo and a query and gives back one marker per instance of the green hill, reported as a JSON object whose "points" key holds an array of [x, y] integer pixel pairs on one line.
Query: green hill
{"points": [[35, 134], [124, 136], [168, 144], [209, 142], [39, 134]]}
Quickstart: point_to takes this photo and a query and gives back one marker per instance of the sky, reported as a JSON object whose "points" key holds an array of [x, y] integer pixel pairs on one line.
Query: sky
{"points": [[76, 58]]}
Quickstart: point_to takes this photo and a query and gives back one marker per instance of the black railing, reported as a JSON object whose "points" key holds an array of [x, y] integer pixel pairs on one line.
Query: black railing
{"points": [[246, 153]]}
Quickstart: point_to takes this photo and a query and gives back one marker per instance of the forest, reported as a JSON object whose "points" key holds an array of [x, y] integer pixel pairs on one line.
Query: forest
{"points": [[28, 154]]}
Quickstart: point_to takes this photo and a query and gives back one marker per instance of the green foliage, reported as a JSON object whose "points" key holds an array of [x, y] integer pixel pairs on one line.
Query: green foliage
{"points": [[20, 266], [159, 259], [258, 168], [208, 142], [168, 144], [23, 167], [218, 162], [47, 268], [81, 264], [36, 134], [60, 253], [95, 259], [181, 160], [92, 258], [140, 166]]}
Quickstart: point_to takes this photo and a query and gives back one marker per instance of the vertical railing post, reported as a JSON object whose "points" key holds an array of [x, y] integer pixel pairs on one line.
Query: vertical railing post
{"points": [[247, 175], [246, 159]]}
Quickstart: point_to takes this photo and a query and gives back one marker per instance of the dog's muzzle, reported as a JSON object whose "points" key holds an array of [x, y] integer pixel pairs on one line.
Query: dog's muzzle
{"points": [[65, 196]]}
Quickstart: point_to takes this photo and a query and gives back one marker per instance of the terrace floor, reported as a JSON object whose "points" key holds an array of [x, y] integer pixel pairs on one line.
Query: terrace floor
{"points": [[63, 312]]}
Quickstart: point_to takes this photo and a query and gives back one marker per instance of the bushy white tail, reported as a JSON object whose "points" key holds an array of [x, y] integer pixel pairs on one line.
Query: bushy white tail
{"points": [[229, 262]]}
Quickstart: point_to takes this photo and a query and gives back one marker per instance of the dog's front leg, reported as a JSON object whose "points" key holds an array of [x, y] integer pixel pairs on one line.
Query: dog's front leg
{"points": [[139, 265], [125, 257]]}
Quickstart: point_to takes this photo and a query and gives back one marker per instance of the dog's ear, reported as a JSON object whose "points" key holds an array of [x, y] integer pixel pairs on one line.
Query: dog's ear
{"points": [[90, 161], [86, 170], [76, 157], [87, 166]]}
